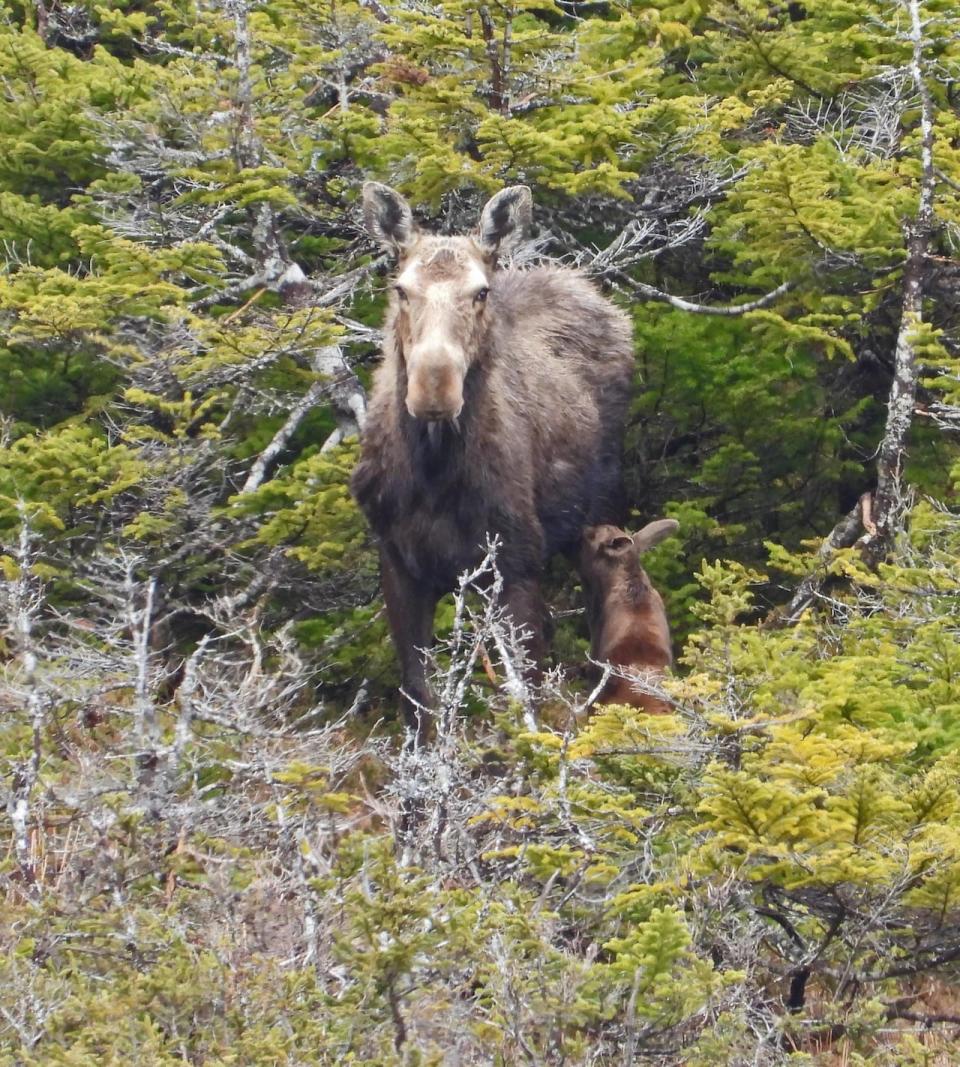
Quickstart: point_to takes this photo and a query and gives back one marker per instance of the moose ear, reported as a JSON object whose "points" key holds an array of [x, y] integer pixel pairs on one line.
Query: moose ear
{"points": [[654, 532], [505, 219], [387, 216], [617, 545]]}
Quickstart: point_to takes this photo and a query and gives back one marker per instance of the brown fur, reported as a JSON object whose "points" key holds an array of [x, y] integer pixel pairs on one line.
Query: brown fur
{"points": [[628, 622], [533, 383]]}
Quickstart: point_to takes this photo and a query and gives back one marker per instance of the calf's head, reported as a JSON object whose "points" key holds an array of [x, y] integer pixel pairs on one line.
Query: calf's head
{"points": [[441, 288], [610, 556]]}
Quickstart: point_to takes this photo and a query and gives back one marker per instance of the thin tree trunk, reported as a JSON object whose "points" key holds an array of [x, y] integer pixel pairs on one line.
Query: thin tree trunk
{"points": [[339, 384], [843, 535], [903, 389], [248, 145], [24, 774], [281, 438], [879, 525], [498, 89]]}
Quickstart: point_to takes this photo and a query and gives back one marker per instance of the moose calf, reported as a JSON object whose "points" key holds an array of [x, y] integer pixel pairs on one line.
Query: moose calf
{"points": [[628, 623]]}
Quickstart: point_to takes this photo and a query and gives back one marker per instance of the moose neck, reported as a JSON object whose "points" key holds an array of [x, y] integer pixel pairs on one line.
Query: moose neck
{"points": [[627, 616], [622, 594], [625, 586]]}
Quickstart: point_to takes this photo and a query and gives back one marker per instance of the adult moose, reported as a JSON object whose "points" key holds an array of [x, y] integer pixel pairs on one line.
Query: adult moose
{"points": [[498, 408]]}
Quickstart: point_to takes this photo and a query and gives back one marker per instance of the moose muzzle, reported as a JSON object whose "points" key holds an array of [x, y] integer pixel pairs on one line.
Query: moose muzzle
{"points": [[435, 384]]}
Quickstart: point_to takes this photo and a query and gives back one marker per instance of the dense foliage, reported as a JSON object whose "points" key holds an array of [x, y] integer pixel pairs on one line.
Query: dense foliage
{"points": [[219, 851]]}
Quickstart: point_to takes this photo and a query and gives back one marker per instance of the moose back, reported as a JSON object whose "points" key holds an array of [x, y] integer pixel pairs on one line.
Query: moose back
{"points": [[498, 408]]}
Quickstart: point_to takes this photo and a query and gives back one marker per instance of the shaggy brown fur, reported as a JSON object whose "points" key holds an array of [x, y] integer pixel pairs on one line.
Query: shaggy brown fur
{"points": [[628, 623], [498, 409]]}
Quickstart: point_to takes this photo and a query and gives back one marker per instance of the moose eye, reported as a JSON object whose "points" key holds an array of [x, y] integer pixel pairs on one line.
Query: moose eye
{"points": [[400, 291], [481, 296]]}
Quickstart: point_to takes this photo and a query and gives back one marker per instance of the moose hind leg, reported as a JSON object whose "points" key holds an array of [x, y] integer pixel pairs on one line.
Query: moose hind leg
{"points": [[410, 610]]}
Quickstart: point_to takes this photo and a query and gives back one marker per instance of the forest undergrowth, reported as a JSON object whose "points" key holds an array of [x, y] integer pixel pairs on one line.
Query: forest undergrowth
{"points": [[768, 875]]}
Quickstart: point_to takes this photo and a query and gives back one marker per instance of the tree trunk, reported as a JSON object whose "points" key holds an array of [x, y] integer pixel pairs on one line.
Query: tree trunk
{"points": [[887, 500]]}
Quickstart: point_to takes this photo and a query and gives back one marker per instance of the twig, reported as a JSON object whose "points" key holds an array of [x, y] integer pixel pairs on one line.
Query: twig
{"points": [[243, 307]]}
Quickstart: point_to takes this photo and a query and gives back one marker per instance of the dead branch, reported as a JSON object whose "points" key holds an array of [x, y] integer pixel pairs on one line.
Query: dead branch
{"points": [[843, 535]]}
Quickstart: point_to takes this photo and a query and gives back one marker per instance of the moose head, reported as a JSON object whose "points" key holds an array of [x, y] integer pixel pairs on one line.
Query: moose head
{"points": [[444, 291]]}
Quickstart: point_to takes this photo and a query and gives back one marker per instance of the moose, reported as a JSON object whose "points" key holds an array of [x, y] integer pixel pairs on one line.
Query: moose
{"points": [[628, 623], [498, 409]]}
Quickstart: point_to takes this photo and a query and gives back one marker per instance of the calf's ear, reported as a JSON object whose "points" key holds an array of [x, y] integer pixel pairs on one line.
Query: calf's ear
{"points": [[619, 544], [653, 533], [505, 219], [388, 217]]}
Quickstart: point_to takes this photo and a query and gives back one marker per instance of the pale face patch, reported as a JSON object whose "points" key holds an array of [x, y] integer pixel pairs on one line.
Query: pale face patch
{"points": [[441, 303], [452, 265]]}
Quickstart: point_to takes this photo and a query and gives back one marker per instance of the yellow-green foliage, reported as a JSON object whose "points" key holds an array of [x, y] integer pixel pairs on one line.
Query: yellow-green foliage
{"points": [[64, 478], [310, 512]]}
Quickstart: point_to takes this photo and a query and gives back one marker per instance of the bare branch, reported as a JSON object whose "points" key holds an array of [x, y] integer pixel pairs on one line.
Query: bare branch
{"points": [[24, 598], [728, 311], [843, 535], [352, 402]]}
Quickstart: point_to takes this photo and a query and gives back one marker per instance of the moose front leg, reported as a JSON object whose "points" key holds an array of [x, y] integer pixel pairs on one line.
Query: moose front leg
{"points": [[527, 610], [410, 610]]}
